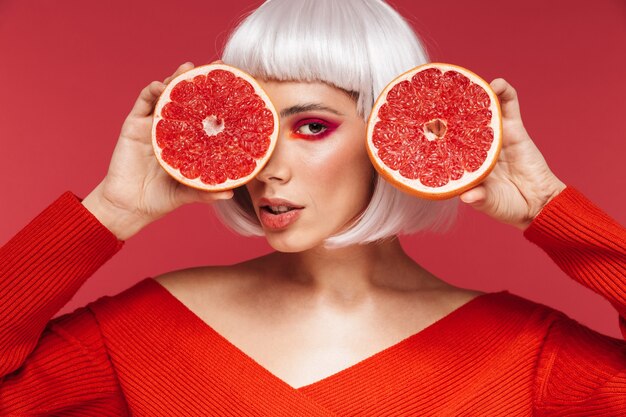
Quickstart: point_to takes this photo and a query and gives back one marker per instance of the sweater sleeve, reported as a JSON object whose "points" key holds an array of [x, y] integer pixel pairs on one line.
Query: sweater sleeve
{"points": [[580, 371], [61, 365]]}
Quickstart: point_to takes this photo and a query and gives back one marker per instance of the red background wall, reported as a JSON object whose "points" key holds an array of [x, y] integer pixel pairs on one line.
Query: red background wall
{"points": [[71, 70]]}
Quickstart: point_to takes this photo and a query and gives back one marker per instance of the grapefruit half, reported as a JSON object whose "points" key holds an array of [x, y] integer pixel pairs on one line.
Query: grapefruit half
{"points": [[435, 131], [214, 127]]}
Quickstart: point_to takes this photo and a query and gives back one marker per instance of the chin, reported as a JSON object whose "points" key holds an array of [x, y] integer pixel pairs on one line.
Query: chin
{"points": [[290, 243]]}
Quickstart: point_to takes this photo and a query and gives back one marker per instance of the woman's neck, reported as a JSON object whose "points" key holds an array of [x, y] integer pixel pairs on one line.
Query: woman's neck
{"points": [[350, 273]]}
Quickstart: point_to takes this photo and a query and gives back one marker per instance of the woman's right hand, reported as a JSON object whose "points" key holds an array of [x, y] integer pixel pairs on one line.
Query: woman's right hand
{"points": [[136, 190]]}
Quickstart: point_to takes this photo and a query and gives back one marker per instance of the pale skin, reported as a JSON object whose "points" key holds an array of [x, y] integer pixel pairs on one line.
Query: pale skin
{"points": [[305, 312]]}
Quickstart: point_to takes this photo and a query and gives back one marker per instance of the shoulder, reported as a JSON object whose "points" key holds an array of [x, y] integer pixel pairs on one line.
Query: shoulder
{"points": [[199, 286], [450, 297], [79, 325], [532, 315], [203, 286], [211, 276], [504, 312], [553, 328], [192, 278]]}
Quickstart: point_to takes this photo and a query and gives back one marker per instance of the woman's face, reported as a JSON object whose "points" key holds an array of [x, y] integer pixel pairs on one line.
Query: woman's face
{"points": [[320, 166]]}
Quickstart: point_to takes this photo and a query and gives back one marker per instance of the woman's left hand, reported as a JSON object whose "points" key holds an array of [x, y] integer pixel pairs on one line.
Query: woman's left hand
{"points": [[521, 183]]}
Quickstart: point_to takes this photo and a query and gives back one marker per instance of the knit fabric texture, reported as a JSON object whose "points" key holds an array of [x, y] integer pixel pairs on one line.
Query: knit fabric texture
{"points": [[144, 353]]}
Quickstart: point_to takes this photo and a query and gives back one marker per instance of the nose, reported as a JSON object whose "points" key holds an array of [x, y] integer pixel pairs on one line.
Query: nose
{"points": [[278, 168]]}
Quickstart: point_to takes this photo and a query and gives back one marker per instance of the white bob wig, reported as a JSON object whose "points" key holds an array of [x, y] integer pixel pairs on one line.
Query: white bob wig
{"points": [[358, 46]]}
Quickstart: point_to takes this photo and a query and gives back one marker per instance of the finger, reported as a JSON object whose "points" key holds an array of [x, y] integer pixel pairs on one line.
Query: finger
{"points": [[184, 67], [147, 98], [507, 95], [149, 95], [219, 61], [191, 195], [481, 199], [475, 195], [208, 196]]}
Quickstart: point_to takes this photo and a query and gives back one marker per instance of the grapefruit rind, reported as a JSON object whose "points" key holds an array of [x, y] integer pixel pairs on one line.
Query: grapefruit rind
{"points": [[164, 98], [453, 187]]}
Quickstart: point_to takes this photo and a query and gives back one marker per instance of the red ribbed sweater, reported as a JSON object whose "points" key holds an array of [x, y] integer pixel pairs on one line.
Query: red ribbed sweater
{"points": [[142, 352]]}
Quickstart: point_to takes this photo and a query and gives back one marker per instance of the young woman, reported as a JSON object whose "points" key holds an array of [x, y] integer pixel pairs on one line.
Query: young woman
{"points": [[338, 320]]}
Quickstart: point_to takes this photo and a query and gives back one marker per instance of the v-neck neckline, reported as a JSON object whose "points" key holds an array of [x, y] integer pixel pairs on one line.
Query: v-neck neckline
{"points": [[440, 325]]}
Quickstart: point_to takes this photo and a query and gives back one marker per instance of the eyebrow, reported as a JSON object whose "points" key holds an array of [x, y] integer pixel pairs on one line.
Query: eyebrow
{"points": [[300, 108]]}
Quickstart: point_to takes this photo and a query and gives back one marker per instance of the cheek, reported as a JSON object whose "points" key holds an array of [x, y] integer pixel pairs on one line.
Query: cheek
{"points": [[362, 174], [343, 175]]}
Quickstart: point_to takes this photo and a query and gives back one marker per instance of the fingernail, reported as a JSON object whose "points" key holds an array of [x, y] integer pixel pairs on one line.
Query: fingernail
{"points": [[468, 199]]}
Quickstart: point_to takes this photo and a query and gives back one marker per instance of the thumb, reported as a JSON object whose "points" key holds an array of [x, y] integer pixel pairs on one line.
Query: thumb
{"points": [[474, 196], [480, 199]]}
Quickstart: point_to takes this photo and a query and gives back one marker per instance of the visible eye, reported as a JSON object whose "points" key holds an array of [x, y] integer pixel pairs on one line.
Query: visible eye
{"points": [[309, 129]]}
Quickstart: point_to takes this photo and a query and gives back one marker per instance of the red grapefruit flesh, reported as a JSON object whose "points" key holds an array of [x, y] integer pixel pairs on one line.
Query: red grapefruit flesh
{"points": [[435, 131], [214, 128]]}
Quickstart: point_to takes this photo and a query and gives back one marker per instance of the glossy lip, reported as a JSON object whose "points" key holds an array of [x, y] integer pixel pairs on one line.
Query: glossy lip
{"points": [[278, 221]]}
